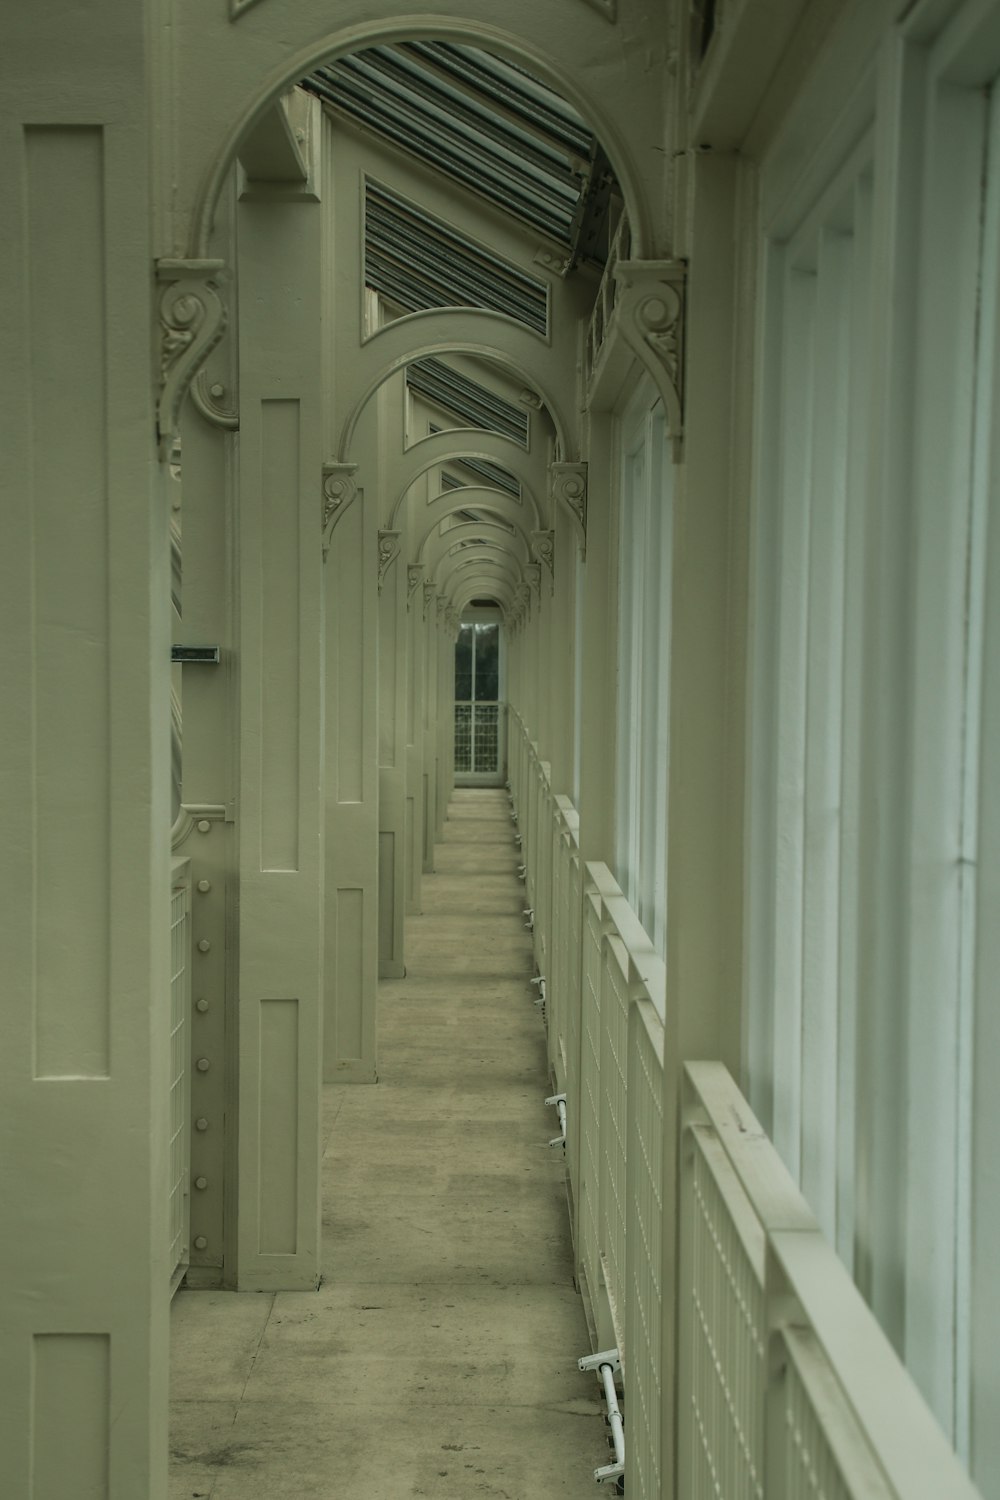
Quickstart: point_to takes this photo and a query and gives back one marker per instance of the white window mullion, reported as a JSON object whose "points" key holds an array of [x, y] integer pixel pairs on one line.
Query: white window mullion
{"points": [[852, 611], [827, 502], [795, 439], [950, 249]]}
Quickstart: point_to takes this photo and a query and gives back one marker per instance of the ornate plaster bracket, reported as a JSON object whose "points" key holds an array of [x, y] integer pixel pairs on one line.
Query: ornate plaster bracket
{"points": [[388, 551], [442, 607], [522, 599], [543, 545], [339, 489], [453, 620], [414, 576], [209, 396], [650, 312], [568, 486], [192, 321], [430, 590], [533, 574]]}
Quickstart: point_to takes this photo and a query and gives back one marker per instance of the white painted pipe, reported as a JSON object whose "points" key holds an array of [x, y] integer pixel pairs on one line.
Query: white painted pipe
{"points": [[614, 1415]]}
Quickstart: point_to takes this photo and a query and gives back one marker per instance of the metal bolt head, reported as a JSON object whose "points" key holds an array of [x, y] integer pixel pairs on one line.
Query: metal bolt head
{"points": [[204, 946], [201, 1005], [201, 1123], [201, 1183], [204, 885], [203, 825], [203, 1065], [200, 1242]]}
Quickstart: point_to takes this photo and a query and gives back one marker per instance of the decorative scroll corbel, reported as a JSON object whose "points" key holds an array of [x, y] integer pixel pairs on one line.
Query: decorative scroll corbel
{"points": [[414, 574], [339, 489], [430, 589], [543, 545], [568, 487], [192, 321], [208, 396], [388, 551], [650, 311]]}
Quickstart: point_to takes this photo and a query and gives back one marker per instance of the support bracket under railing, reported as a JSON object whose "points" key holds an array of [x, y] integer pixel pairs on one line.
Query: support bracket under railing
{"points": [[605, 1364], [559, 1100]]}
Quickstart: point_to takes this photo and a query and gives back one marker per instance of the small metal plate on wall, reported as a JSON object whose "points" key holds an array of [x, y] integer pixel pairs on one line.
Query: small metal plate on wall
{"points": [[195, 654]]}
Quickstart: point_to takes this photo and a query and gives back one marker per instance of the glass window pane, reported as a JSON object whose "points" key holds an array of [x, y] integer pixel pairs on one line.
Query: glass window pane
{"points": [[487, 676], [463, 665]]}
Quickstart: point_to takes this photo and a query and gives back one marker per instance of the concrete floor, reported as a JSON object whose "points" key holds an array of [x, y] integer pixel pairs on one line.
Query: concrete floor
{"points": [[438, 1358]]}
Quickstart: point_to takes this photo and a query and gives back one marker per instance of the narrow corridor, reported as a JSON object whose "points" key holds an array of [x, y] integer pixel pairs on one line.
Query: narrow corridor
{"points": [[438, 1358]]}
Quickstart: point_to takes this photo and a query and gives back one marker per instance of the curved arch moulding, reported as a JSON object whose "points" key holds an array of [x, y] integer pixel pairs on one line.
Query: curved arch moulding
{"points": [[433, 546], [494, 502], [468, 493], [486, 571], [548, 368], [488, 555], [246, 53]]}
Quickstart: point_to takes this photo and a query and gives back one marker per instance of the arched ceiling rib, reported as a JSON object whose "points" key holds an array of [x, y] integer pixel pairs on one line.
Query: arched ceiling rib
{"points": [[485, 123], [534, 363], [415, 464]]}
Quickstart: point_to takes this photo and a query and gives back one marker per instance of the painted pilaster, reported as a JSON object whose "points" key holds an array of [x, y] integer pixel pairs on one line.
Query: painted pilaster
{"points": [[351, 942], [392, 674], [281, 735], [84, 765], [432, 710], [205, 833], [415, 664]]}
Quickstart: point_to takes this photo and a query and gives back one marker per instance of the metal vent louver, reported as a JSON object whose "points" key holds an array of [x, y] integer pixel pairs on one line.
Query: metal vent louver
{"points": [[471, 402], [490, 474], [484, 122], [418, 262]]}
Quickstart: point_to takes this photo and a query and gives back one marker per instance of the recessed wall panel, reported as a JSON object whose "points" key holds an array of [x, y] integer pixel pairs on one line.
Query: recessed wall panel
{"points": [[70, 1427], [386, 894], [280, 642], [349, 604], [350, 972], [388, 670], [279, 1127], [65, 262]]}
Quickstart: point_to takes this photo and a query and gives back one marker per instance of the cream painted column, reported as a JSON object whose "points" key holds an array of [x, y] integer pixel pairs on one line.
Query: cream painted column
{"points": [[707, 691], [351, 944], [206, 831], [415, 795], [84, 767], [391, 672], [281, 768], [432, 709]]}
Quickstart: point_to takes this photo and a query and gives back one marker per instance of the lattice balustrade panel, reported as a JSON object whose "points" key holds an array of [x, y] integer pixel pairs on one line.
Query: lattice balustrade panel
{"points": [[590, 1096], [572, 1013], [614, 1011], [180, 1048], [644, 1257], [726, 1375], [463, 737], [485, 739], [808, 1459]]}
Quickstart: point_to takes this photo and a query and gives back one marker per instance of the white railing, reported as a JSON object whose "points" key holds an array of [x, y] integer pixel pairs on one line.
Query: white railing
{"points": [[790, 1387], [179, 1187], [607, 296], [752, 1367]]}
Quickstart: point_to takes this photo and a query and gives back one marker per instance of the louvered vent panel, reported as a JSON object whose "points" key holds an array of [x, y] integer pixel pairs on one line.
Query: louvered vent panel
{"points": [[467, 399], [419, 262]]}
